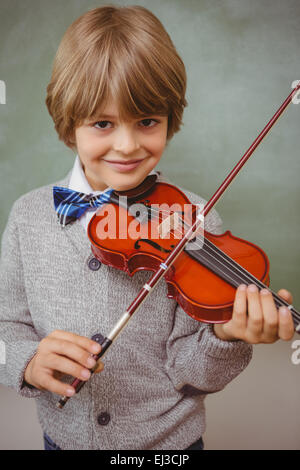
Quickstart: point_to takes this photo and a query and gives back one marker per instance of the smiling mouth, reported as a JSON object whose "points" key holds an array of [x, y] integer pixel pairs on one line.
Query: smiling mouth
{"points": [[123, 166], [123, 162]]}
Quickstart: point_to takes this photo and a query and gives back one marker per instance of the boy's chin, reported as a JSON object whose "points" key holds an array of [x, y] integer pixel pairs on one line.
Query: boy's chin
{"points": [[130, 184], [125, 187]]}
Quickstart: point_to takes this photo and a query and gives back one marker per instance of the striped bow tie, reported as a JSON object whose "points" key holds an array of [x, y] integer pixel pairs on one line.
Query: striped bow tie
{"points": [[70, 205]]}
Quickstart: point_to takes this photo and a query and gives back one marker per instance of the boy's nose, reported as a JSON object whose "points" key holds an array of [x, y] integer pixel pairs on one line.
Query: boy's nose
{"points": [[126, 141]]}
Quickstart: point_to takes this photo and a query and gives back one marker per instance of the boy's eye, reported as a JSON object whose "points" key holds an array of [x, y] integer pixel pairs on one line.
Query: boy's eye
{"points": [[102, 124], [147, 122]]}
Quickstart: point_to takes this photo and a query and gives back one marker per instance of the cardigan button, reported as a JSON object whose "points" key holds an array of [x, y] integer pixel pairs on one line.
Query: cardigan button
{"points": [[103, 418], [94, 264], [98, 338]]}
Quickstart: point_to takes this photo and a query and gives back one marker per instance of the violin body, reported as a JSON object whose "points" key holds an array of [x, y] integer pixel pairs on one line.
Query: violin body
{"points": [[130, 240]]}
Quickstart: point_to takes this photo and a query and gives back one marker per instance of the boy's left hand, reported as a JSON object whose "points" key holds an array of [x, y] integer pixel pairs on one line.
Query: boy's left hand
{"points": [[255, 318]]}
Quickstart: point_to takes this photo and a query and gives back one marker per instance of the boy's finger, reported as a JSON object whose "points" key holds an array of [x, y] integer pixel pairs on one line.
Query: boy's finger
{"points": [[285, 295], [286, 325], [83, 341], [99, 368], [255, 315], [270, 315], [239, 314], [70, 350], [49, 383], [54, 362]]}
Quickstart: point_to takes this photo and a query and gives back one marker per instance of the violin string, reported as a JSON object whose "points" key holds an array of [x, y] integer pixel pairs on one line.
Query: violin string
{"points": [[244, 275]]}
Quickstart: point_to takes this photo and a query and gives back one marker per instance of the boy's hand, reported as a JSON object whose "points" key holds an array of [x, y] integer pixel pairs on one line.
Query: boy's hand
{"points": [[263, 324], [58, 354]]}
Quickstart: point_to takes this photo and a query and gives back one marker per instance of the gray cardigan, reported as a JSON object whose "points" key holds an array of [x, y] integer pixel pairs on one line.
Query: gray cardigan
{"points": [[157, 373]]}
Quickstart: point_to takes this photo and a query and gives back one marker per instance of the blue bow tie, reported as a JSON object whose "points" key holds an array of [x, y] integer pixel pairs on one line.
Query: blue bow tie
{"points": [[70, 205]]}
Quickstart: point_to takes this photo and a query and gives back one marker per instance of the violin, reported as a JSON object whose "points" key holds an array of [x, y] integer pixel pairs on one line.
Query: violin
{"points": [[155, 227], [204, 277]]}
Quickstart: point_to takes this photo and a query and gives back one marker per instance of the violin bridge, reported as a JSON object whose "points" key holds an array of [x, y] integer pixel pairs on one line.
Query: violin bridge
{"points": [[173, 222]]}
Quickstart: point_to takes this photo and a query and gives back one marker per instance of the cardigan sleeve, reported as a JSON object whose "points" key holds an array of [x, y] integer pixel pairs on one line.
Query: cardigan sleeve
{"points": [[196, 357], [18, 338]]}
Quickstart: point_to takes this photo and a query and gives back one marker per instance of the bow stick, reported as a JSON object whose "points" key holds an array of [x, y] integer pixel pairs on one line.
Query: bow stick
{"points": [[190, 234]]}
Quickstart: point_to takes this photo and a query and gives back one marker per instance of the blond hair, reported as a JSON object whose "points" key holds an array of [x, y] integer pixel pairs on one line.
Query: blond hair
{"points": [[119, 52]]}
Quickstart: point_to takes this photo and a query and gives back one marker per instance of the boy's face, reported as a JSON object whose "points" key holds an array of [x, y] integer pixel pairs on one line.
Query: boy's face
{"points": [[120, 154]]}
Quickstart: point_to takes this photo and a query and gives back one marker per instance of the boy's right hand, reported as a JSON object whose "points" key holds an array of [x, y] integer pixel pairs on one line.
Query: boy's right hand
{"points": [[62, 353]]}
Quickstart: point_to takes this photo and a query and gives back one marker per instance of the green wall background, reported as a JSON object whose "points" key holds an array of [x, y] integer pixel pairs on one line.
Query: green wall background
{"points": [[241, 59]]}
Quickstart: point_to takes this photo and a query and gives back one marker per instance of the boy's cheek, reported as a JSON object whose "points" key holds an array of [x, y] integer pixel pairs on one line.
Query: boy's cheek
{"points": [[90, 150]]}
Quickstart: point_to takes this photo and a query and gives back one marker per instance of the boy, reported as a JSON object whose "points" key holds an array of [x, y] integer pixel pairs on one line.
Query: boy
{"points": [[116, 95]]}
